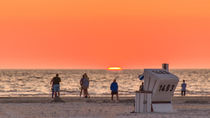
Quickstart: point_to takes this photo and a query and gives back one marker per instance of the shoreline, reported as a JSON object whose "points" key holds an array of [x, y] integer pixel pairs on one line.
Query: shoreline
{"points": [[175, 99]]}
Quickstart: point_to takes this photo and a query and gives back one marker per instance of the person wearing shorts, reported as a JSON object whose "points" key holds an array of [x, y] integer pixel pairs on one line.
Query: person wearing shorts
{"points": [[114, 89], [56, 85]]}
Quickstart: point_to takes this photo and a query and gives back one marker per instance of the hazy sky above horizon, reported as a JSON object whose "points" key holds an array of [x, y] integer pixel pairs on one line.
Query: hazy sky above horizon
{"points": [[98, 34]]}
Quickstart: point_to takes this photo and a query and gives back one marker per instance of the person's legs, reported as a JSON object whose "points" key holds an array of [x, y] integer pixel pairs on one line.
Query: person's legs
{"points": [[85, 92], [58, 90], [117, 96], [54, 88], [181, 93], [184, 93], [88, 93], [52, 92], [112, 96], [58, 93], [80, 92], [55, 94]]}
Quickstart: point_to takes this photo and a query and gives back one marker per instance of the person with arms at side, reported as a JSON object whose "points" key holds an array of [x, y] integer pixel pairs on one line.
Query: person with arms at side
{"points": [[114, 89], [183, 91], [56, 85], [84, 82]]}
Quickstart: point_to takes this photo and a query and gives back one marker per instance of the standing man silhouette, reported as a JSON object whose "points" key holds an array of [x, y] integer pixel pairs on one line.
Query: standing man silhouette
{"points": [[56, 85], [114, 89], [183, 91]]}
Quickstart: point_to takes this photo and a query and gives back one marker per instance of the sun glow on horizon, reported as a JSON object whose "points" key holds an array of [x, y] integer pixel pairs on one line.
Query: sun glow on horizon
{"points": [[114, 68]]}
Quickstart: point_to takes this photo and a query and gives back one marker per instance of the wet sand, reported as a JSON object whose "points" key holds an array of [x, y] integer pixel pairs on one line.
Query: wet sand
{"points": [[97, 107]]}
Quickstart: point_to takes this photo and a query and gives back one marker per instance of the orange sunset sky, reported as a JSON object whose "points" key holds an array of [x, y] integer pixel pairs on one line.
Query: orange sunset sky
{"points": [[96, 34]]}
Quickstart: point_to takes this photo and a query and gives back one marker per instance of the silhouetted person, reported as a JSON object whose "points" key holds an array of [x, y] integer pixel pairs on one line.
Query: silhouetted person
{"points": [[183, 91], [114, 89], [56, 84], [141, 88], [84, 82]]}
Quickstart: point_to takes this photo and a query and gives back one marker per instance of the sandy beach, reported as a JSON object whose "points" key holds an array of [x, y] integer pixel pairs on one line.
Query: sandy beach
{"points": [[97, 107]]}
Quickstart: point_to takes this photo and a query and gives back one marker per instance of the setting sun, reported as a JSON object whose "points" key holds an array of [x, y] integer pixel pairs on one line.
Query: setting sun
{"points": [[114, 68]]}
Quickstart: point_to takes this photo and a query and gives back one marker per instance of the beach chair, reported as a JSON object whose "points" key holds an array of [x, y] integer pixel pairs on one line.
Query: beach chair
{"points": [[160, 85]]}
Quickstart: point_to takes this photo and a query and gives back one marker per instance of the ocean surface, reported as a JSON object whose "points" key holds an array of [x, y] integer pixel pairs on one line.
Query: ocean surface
{"points": [[37, 82]]}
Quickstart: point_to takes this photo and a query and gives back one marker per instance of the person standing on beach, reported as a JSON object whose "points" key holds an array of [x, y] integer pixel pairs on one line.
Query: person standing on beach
{"points": [[114, 89], [84, 82], [56, 85], [183, 91]]}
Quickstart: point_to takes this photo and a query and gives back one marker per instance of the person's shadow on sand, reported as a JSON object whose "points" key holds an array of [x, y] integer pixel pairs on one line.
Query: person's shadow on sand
{"points": [[57, 99]]}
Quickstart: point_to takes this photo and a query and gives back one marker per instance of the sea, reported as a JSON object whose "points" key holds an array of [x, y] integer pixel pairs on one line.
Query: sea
{"points": [[23, 83]]}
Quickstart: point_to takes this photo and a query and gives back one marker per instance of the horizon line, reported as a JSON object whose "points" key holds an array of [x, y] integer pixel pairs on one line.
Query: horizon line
{"points": [[91, 68]]}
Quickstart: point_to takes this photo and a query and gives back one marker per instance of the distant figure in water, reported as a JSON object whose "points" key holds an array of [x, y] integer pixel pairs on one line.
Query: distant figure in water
{"points": [[114, 89], [183, 91], [141, 88], [84, 82], [56, 85]]}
